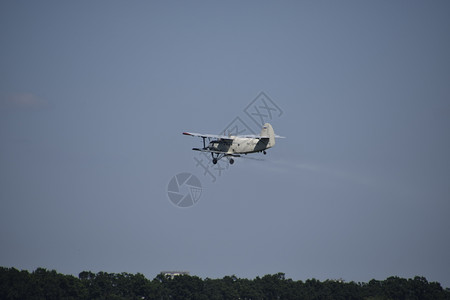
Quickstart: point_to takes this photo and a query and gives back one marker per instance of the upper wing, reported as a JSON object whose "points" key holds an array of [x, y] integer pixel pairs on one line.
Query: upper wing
{"points": [[253, 136], [223, 137]]}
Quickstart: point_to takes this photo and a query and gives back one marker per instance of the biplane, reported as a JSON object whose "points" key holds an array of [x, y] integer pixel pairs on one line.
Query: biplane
{"points": [[230, 146]]}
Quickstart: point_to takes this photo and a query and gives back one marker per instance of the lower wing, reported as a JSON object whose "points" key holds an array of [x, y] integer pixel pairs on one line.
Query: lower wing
{"points": [[216, 152]]}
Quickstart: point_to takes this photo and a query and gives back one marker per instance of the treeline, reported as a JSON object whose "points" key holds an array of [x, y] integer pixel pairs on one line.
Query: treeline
{"points": [[45, 284]]}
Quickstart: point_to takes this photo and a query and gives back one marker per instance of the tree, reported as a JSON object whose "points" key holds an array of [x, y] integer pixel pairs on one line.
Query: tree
{"points": [[45, 284]]}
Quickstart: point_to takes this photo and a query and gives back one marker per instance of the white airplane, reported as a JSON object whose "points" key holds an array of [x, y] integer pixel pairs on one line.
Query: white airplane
{"points": [[232, 146]]}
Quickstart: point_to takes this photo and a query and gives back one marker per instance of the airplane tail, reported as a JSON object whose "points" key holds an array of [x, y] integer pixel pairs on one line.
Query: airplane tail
{"points": [[267, 130]]}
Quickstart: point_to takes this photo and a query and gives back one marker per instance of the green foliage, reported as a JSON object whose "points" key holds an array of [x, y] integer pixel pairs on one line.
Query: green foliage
{"points": [[45, 284]]}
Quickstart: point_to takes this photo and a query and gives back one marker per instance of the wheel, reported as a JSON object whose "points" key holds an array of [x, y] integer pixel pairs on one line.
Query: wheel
{"points": [[231, 161], [214, 160], [264, 152]]}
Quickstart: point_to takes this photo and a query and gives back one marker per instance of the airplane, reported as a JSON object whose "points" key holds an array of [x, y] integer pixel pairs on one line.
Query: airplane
{"points": [[233, 146]]}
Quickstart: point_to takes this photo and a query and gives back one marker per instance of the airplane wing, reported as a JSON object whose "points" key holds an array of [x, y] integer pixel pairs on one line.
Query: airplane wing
{"points": [[224, 137], [215, 151], [215, 136], [253, 136]]}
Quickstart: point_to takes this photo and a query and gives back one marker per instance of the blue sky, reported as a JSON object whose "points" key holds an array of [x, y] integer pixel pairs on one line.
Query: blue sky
{"points": [[94, 97]]}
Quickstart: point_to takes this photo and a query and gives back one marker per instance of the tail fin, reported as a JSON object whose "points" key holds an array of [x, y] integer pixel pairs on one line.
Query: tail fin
{"points": [[267, 130]]}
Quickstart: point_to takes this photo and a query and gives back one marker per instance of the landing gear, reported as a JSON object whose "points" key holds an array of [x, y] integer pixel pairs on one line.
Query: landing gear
{"points": [[217, 156], [264, 152]]}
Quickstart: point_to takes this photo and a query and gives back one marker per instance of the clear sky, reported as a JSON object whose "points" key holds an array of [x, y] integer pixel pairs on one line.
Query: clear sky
{"points": [[94, 96]]}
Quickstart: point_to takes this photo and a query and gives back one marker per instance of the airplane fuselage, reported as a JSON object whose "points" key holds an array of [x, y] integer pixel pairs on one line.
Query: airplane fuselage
{"points": [[238, 145]]}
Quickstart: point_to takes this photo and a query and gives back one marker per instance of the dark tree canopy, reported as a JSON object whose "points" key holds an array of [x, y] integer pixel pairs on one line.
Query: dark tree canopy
{"points": [[45, 284]]}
